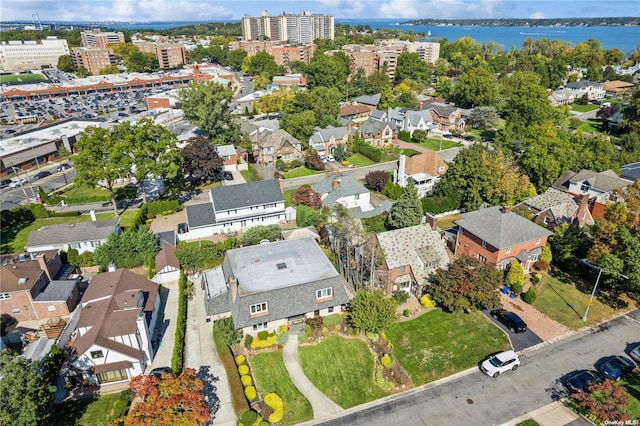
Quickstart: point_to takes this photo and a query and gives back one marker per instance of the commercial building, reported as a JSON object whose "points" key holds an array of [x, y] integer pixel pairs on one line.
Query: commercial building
{"points": [[93, 59], [30, 55], [168, 55], [97, 38], [299, 29]]}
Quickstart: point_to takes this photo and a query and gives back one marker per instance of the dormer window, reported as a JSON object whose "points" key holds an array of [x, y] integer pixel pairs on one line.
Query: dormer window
{"points": [[585, 187], [22, 280]]}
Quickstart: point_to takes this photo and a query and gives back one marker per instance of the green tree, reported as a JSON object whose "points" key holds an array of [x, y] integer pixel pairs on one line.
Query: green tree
{"points": [[476, 88], [515, 276], [110, 69], [255, 234], [412, 67], [372, 311], [328, 71], [25, 395], [101, 159], [126, 249], [65, 63], [484, 116], [300, 125], [235, 58], [205, 105], [407, 211], [227, 329], [444, 87], [359, 84], [340, 152], [262, 63], [82, 72], [631, 112]]}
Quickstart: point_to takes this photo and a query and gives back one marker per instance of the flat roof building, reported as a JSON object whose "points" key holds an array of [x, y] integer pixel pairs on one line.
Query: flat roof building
{"points": [[93, 59], [97, 38], [168, 55], [300, 29], [30, 55]]}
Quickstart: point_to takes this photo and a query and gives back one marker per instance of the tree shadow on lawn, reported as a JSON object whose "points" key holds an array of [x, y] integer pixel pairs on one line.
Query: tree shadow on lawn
{"points": [[583, 279], [68, 413], [566, 302]]}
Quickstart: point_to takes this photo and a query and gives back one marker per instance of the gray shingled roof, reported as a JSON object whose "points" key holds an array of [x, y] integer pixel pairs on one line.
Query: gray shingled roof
{"points": [[373, 100], [371, 127], [72, 232], [630, 171], [246, 194], [321, 135], [550, 198], [378, 115], [501, 230], [348, 186], [443, 110], [199, 215], [603, 181], [582, 84], [56, 291]]}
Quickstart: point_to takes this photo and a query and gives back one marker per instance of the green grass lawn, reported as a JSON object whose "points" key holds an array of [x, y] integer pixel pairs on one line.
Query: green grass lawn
{"points": [[564, 303], [272, 376], [406, 151], [438, 344], [250, 175], [528, 422], [342, 369], [98, 411], [447, 221], [434, 144], [358, 159], [287, 196], [22, 78], [632, 383], [590, 126], [301, 171], [584, 108]]}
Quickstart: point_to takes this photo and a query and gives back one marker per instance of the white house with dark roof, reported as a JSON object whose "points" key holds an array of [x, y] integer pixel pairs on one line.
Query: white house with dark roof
{"points": [[351, 194], [268, 285], [118, 316], [235, 207], [419, 120], [82, 236], [592, 89]]}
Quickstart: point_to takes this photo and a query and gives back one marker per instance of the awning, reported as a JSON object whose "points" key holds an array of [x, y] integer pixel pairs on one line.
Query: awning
{"points": [[114, 366]]}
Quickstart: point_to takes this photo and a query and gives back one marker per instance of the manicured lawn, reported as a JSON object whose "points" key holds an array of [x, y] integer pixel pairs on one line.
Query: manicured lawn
{"points": [[528, 422], [272, 376], [406, 151], [97, 411], [632, 383], [250, 175], [584, 108], [590, 126], [358, 159], [301, 171], [564, 303], [125, 216], [287, 196], [22, 78], [434, 144], [447, 221], [342, 369], [438, 344]]}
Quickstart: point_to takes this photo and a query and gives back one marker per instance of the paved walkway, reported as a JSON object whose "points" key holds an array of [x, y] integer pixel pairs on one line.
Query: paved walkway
{"points": [[554, 414], [200, 354], [321, 405]]}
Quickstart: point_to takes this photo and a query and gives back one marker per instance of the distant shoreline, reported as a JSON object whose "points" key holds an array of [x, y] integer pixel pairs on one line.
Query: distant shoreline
{"points": [[534, 23]]}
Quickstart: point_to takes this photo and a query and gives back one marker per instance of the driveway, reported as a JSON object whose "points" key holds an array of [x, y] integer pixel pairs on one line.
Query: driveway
{"points": [[164, 336], [519, 341], [537, 322]]}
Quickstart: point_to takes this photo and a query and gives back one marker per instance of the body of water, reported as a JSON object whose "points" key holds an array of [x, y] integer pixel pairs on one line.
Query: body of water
{"points": [[624, 38]]}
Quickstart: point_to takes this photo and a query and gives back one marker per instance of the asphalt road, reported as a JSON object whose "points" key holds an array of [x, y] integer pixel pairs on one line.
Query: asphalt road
{"points": [[476, 399], [12, 197], [519, 341]]}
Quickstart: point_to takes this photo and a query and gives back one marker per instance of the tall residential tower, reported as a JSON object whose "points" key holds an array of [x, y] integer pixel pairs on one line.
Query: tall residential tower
{"points": [[296, 29]]}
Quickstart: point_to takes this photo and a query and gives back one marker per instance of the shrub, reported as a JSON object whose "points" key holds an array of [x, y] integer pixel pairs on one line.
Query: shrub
{"points": [[263, 423], [302, 337], [542, 265], [262, 335], [333, 321], [369, 151], [386, 361], [426, 302], [249, 417], [535, 279], [406, 313], [274, 401], [530, 296], [307, 329], [400, 296], [283, 329], [295, 163], [243, 370], [404, 135], [246, 380], [250, 393], [315, 322], [248, 339], [240, 360], [73, 213], [260, 344], [282, 339], [177, 358]]}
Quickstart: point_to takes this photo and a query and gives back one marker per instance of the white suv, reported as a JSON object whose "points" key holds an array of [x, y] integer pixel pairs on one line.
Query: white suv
{"points": [[499, 363]]}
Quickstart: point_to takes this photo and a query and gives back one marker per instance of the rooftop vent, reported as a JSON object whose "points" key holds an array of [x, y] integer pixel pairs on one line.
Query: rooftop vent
{"points": [[281, 266]]}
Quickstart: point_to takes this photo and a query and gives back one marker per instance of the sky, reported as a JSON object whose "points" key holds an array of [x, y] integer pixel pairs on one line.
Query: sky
{"points": [[226, 10]]}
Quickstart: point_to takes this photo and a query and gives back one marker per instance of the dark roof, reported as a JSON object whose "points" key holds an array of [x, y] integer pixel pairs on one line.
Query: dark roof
{"points": [[499, 229], [443, 110], [246, 194], [373, 100], [56, 291], [582, 84], [562, 183], [199, 215], [166, 237], [72, 232], [370, 127], [166, 257], [630, 171]]}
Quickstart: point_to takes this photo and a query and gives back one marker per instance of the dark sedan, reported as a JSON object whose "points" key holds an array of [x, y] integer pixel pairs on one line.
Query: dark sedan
{"points": [[41, 175], [616, 367], [5, 182], [512, 321], [581, 380]]}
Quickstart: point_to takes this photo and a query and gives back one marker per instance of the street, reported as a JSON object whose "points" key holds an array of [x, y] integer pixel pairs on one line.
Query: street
{"points": [[476, 399], [12, 197]]}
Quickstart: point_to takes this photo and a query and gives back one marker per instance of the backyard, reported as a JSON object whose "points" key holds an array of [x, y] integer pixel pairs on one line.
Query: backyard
{"points": [[271, 376], [438, 344], [95, 411]]}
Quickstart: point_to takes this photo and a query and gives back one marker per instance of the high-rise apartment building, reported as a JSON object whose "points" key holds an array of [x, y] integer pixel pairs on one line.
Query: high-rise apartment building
{"points": [[169, 55], [93, 59], [282, 52], [97, 38], [296, 29], [30, 55]]}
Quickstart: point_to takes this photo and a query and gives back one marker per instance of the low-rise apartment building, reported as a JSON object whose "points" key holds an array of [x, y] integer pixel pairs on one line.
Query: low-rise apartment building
{"points": [[93, 59], [31, 55], [168, 55], [97, 38]]}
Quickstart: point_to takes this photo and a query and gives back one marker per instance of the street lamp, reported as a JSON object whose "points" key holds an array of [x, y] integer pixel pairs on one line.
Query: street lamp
{"points": [[590, 302]]}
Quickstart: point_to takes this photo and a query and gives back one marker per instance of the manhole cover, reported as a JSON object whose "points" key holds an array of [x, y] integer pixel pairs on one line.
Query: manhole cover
{"points": [[469, 401]]}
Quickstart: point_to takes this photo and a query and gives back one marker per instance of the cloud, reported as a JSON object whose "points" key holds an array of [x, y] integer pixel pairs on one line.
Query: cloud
{"points": [[537, 15]]}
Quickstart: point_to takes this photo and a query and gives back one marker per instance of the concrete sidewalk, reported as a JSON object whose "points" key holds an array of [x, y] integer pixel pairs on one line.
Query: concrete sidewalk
{"points": [[554, 414], [321, 405]]}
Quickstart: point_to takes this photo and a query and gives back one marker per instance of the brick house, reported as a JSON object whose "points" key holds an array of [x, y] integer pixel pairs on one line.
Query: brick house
{"points": [[379, 133], [497, 236], [229, 156], [554, 207], [272, 145], [324, 141]]}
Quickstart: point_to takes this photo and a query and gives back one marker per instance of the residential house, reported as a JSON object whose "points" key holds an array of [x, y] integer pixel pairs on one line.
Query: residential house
{"points": [[561, 97], [272, 145], [554, 207], [497, 236], [448, 118], [37, 286], [82, 236], [229, 156], [324, 141], [166, 265], [592, 89], [411, 256], [235, 207], [617, 87], [419, 120], [265, 286], [351, 194], [424, 169], [290, 80], [379, 133], [118, 316], [355, 112], [630, 171], [395, 116], [371, 100], [599, 187]]}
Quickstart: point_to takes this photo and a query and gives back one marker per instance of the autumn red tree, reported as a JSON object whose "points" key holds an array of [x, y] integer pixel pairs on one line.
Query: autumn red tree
{"points": [[169, 400], [307, 196], [607, 400], [377, 179]]}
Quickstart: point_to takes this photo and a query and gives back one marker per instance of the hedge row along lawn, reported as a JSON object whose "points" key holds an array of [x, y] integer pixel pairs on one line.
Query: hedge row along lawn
{"points": [[271, 376], [342, 369], [239, 401], [438, 344]]}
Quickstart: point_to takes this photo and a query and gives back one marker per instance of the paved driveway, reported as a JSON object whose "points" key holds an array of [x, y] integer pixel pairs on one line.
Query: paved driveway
{"points": [[519, 341], [537, 322]]}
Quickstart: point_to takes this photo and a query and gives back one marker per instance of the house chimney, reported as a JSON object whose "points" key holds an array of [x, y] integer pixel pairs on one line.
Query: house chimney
{"points": [[281, 183], [111, 267], [335, 184], [233, 287], [93, 215], [42, 261], [400, 180], [389, 115], [431, 221]]}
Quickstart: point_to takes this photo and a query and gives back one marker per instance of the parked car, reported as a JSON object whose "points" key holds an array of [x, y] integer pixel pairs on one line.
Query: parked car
{"points": [[511, 320], [331, 158], [17, 181], [635, 354], [499, 363], [5, 182], [63, 166], [41, 175], [183, 228], [616, 367], [157, 372], [581, 380], [227, 175]]}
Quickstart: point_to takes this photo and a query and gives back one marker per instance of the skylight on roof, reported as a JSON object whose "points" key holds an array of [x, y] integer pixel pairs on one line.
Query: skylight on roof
{"points": [[281, 266]]}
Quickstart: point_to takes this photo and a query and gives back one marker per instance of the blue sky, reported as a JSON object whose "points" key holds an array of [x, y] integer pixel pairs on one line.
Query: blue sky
{"points": [[216, 10]]}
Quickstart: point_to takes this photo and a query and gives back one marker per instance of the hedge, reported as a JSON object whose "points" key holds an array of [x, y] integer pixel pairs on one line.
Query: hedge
{"points": [[260, 344], [65, 214], [369, 151], [250, 392], [274, 401], [177, 360], [240, 360], [246, 380], [238, 399], [437, 205], [243, 370], [404, 135], [139, 219], [159, 207]]}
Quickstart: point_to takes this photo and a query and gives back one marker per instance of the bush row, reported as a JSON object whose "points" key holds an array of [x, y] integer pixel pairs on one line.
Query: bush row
{"points": [[437, 205], [274, 401], [177, 360], [369, 151], [162, 207], [239, 401]]}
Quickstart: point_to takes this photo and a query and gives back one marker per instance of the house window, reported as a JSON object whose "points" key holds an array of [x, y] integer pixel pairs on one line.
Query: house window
{"points": [[330, 309], [261, 326], [546, 220], [538, 241], [96, 354], [585, 187], [356, 197], [113, 376], [324, 293], [5, 296], [484, 244], [259, 308], [15, 310], [481, 258], [461, 230], [508, 250], [51, 308]]}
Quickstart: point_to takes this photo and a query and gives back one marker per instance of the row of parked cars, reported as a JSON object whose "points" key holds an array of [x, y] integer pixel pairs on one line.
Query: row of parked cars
{"points": [[613, 368]]}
